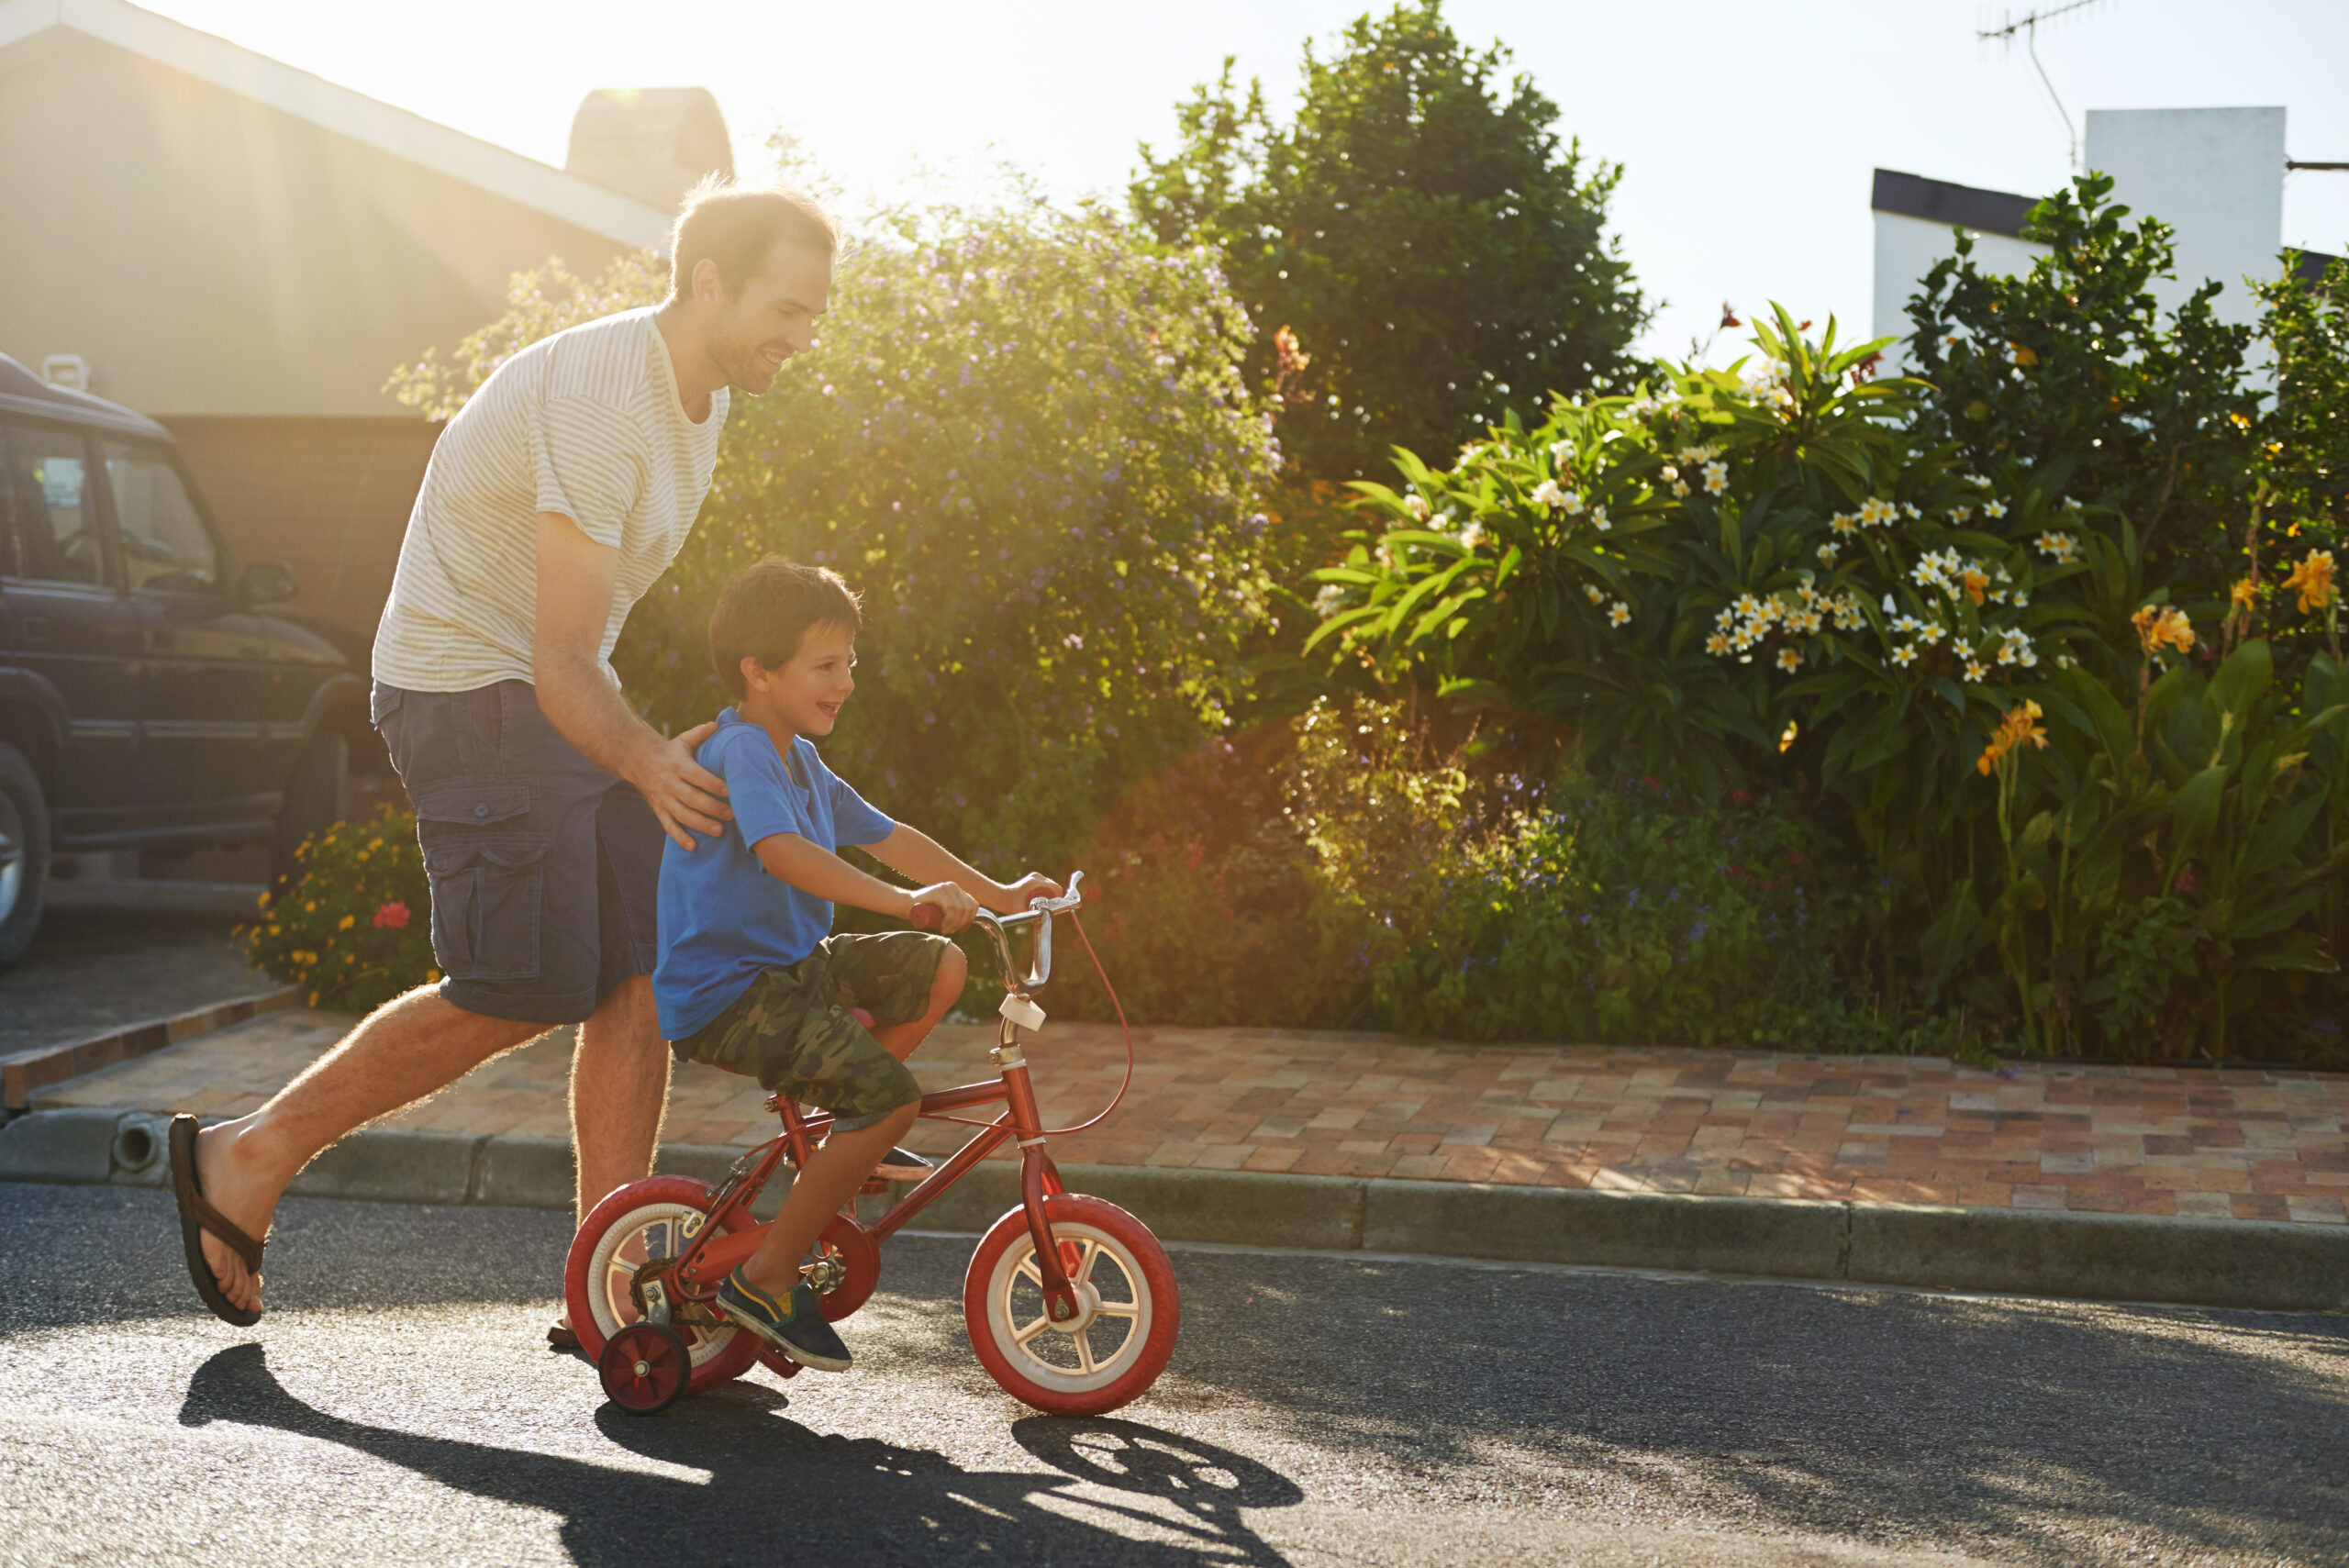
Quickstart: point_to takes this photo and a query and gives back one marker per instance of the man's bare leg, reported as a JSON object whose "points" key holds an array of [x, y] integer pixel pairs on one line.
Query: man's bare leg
{"points": [[410, 1047], [619, 1090]]}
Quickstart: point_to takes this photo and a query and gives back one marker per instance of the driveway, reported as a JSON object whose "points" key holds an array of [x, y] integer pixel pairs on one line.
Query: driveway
{"points": [[111, 953]]}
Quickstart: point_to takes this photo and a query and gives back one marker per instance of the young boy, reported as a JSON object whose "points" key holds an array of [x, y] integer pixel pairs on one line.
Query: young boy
{"points": [[751, 977]]}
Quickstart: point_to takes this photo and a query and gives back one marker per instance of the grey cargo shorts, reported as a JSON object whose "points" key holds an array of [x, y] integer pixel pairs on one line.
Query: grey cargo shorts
{"points": [[545, 869]]}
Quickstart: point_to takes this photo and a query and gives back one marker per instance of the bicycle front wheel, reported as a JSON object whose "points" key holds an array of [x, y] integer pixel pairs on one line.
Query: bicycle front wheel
{"points": [[1129, 1310]]}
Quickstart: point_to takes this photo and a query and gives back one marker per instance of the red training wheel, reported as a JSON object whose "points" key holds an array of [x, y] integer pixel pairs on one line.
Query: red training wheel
{"points": [[645, 1367]]}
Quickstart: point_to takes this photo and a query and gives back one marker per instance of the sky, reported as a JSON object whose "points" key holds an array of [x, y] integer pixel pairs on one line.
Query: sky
{"points": [[1747, 132]]}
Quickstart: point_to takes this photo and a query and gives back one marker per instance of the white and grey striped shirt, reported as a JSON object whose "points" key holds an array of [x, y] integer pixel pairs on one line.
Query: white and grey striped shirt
{"points": [[588, 423]]}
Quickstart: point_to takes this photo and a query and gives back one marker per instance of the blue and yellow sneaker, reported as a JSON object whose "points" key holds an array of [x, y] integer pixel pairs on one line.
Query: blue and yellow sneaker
{"points": [[800, 1330]]}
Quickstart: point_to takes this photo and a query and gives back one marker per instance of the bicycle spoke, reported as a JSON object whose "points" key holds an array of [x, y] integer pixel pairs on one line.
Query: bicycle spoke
{"points": [[1083, 1270], [1084, 1354], [1021, 1336], [1030, 1272], [1118, 1309]]}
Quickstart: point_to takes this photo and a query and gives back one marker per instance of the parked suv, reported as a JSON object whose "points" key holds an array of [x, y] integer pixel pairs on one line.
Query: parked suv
{"points": [[146, 699]]}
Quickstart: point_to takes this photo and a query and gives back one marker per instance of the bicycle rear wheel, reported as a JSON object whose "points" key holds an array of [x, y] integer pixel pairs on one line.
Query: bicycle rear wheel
{"points": [[643, 1223]]}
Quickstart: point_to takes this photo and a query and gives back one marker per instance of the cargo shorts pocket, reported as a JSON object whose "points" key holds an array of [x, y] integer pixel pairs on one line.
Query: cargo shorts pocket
{"points": [[488, 878]]}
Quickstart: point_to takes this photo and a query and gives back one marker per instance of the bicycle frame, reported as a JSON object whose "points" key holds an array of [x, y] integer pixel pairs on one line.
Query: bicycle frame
{"points": [[714, 1253]]}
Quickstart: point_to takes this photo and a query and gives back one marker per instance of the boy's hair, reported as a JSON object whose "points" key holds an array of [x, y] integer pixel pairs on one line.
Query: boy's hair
{"points": [[766, 608], [735, 225]]}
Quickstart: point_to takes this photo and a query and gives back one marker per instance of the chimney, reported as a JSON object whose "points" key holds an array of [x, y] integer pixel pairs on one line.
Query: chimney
{"points": [[649, 144]]}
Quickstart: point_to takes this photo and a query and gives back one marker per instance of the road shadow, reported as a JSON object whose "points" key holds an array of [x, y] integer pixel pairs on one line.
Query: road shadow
{"points": [[779, 1490], [2010, 1426]]}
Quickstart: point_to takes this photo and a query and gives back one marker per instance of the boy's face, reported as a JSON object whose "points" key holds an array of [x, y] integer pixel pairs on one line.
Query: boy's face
{"points": [[804, 695]]}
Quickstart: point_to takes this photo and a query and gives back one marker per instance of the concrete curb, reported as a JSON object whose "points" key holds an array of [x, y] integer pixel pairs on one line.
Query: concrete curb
{"points": [[23, 1072], [2207, 1262]]}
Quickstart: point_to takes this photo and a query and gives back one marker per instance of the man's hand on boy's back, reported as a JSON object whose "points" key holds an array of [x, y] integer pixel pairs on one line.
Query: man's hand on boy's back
{"points": [[682, 793]]}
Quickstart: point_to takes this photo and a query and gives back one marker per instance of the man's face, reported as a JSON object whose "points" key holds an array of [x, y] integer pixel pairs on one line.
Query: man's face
{"points": [[804, 695], [771, 319]]}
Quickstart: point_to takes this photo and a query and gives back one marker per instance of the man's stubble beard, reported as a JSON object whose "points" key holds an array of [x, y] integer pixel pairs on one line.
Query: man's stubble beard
{"points": [[738, 357]]}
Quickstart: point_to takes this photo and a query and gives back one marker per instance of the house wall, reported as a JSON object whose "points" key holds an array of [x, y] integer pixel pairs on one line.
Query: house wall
{"points": [[213, 256], [1907, 248], [331, 497], [2215, 175]]}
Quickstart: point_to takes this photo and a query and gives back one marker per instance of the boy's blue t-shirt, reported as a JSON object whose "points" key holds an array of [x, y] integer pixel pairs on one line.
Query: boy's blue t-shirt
{"points": [[723, 918]]}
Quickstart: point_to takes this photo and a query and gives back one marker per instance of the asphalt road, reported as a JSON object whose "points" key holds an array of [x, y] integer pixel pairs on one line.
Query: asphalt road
{"points": [[394, 1408]]}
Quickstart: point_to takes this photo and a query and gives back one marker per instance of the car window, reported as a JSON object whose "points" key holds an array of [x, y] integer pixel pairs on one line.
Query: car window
{"points": [[47, 476], [165, 545]]}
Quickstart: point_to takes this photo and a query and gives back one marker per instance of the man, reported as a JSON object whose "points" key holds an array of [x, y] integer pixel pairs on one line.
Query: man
{"points": [[553, 500]]}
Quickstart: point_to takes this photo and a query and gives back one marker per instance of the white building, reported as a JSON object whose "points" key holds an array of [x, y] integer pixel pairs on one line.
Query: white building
{"points": [[2215, 175]]}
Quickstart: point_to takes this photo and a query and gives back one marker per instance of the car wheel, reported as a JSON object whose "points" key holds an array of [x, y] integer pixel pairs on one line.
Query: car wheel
{"points": [[24, 854], [313, 800]]}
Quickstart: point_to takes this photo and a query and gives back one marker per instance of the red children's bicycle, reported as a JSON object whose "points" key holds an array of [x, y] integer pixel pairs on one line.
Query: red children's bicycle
{"points": [[1070, 1301]]}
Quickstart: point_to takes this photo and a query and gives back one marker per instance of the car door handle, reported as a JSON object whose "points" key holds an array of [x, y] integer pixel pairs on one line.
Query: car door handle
{"points": [[39, 631]]}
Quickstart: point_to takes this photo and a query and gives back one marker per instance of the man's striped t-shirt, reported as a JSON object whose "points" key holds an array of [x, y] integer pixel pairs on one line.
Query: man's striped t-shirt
{"points": [[588, 423]]}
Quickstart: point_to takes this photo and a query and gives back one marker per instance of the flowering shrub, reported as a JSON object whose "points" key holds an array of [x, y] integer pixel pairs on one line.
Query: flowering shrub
{"points": [[354, 926], [1768, 582]]}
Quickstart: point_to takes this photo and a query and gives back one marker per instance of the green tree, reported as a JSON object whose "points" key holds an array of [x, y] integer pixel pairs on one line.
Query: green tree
{"points": [[1419, 229], [2154, 418]]}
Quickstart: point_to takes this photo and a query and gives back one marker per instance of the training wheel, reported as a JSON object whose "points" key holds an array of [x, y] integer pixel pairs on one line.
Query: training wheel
{"points": [[645, 1367]]}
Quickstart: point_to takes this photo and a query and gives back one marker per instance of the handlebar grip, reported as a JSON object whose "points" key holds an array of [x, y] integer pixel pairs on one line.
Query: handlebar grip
{"points": [[927, 916]]}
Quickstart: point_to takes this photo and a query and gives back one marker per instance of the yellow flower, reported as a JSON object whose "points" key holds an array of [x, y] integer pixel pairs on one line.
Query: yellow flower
{"points": [[346, 922], [1786, 736], [2313, 580], [2158, 628], [1788, 660], [2241, 593]]}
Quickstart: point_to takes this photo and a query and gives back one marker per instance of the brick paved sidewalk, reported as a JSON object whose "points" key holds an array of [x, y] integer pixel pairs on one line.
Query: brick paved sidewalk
{"points": [[2242, 1145]]}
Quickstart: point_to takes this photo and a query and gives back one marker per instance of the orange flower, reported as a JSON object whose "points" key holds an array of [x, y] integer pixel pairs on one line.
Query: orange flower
{"points": [[2241, 593], [2024, 356], [2021, 724], [2158, 628], [1974, 581], [2313, 580]]}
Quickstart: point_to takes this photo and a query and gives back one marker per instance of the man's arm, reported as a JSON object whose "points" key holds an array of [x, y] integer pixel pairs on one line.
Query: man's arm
{"points": [[915, 855], [811, 868], [574, 602]]}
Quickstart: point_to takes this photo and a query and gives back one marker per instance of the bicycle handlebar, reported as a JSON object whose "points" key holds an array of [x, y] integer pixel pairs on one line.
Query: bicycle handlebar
{"points": [[929, 916]]}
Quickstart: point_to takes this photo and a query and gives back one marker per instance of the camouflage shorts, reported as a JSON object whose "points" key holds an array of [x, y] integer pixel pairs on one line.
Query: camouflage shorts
{"points": [[791, 1029]]}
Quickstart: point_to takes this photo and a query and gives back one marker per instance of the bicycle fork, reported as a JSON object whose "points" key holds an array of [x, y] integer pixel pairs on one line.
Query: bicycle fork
{"points": [[1038, 1176]]}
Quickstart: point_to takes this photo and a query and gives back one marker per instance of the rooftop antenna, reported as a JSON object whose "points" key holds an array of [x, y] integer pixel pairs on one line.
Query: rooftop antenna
{"points": [[2027, 27]]}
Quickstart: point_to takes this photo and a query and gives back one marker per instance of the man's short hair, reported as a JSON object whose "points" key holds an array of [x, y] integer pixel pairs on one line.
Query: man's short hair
{"points": [[735, 225], [767, 608]]}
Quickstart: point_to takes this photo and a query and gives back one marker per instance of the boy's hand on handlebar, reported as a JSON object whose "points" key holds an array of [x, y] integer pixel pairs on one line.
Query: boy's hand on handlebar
{"points": [[1015, 896], [955, 906]]}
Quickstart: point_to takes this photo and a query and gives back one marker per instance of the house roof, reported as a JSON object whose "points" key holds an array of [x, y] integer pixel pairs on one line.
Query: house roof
{"points": [[1942, 201], [28, 26]]}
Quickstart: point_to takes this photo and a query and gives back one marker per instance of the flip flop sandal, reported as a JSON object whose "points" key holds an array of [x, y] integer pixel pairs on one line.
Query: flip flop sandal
{"points": [[196, 1216]]}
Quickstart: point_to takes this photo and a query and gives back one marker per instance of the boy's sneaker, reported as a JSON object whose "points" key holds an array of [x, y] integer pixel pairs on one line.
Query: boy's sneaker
{"points": [[903, 1165], [797, 1330]]}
